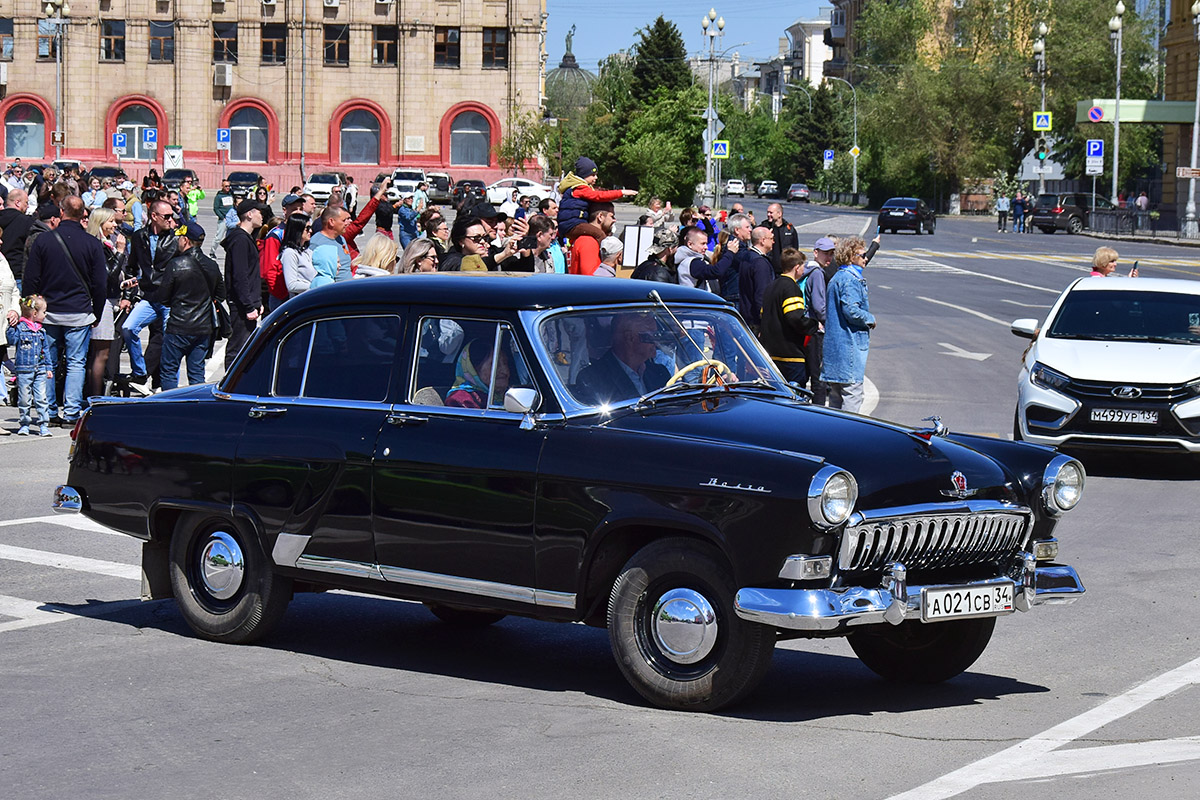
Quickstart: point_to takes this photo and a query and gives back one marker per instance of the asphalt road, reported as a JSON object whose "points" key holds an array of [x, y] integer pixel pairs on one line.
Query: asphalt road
{"points": [[107, 697]]}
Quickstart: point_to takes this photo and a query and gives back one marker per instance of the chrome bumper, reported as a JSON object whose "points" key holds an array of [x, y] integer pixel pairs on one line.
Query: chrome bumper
{"points": [[67, 500], [894, 602]]}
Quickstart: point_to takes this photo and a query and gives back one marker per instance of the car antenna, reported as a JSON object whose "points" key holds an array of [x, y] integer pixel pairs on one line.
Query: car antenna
{"points": [[657, 298]]}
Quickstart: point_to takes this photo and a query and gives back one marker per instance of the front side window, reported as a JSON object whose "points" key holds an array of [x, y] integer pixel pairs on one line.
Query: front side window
{"points": [[495, 48], [445, 47], [466, 363], [611, 356], [349, 358], [225, 43], [112, 40], [274, 43], [337, 44], [162, 41]]}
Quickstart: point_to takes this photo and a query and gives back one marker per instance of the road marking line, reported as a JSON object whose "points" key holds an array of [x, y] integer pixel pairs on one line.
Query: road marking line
{"points": [[986, 275], [1025, 305], [965, 310], [1023, 759], [31, 614], [870, 397], [1110, 757], [78, 563], [74, 521]]}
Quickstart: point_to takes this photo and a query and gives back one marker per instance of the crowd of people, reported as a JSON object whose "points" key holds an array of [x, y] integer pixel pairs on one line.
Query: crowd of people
{"points": [[119, 261]]}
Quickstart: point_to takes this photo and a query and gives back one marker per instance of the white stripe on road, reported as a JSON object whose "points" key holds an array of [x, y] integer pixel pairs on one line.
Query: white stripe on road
{"points": [[1025, 305], [30, 614], [95, 566], [962, 271], [74, 521], [1025, 760], [965, 310]]}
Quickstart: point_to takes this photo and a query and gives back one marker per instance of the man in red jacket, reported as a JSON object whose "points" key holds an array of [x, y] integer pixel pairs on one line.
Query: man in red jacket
{"points": [[585, 238]]}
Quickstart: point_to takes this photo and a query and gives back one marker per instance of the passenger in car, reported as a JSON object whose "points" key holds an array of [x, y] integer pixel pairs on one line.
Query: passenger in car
{"points": [[628, 369], [474, 371]]}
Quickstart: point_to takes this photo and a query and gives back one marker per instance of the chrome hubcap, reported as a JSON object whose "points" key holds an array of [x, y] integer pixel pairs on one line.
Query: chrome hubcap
{"points": [[684, 625], [222, 566]]}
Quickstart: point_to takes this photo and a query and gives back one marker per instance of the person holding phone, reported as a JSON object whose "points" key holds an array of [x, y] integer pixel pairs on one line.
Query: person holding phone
{"points": [[1104, 263]]}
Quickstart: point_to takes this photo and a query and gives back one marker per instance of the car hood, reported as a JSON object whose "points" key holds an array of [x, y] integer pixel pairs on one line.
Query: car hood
{"points": [[893, 466], [1121, 362]]}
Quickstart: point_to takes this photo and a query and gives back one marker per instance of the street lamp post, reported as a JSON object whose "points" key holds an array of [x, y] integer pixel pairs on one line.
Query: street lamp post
{"points": [[854, 186], [57, 14], [1115, 27], [1189, 226], [1039, 53], [712, 27]]}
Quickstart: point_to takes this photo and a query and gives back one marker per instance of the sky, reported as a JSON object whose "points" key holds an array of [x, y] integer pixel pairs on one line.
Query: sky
{"points": [[603, 27]]}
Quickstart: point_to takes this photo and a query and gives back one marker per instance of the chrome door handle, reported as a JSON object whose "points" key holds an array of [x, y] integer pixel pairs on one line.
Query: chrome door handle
{"points": [[261, 412], [405, 419]]}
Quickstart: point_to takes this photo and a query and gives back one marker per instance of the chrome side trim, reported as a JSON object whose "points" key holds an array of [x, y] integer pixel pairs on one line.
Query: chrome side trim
{"points": [[836, 609], [481, 588], [336, 566], [288, 548], [67, 500]]}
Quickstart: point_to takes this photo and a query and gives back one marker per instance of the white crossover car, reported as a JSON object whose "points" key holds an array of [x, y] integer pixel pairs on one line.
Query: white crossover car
{"points": [[1115, 364]]}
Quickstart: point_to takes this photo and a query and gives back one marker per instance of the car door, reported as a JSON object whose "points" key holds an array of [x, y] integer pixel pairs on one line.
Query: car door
{"points": [[303, 465], [455, 474]]}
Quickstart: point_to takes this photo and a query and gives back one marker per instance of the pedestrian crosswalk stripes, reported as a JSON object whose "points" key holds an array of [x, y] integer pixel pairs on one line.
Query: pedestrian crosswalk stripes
{"points": [[63, 561]]}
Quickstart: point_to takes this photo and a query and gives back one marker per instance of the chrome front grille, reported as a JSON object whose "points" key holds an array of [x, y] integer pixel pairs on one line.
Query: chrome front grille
{"points": [[933, 536]]}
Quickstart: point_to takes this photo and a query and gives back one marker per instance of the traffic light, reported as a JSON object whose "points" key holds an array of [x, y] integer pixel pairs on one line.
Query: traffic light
{"points": [[1042, 150]]}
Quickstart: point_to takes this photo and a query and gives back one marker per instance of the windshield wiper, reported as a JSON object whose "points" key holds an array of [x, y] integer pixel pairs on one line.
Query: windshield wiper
{"points": [[671, 388]]}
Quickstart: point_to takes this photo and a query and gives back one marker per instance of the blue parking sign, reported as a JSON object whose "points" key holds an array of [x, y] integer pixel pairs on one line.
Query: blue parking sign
{"points": [[829, 155], [150, 138], [1095, 148]]}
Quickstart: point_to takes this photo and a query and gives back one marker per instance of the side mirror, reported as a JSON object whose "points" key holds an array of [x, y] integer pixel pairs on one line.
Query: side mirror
{"points": [[1025, 328], [520, 400]]}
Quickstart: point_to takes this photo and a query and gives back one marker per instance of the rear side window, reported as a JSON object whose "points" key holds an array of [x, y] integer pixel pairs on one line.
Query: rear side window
{"points": [[347, 358]]}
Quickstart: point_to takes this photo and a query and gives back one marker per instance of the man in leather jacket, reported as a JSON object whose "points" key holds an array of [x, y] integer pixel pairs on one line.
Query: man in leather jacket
{"points": [[150, 250], [190, 284], [660, 262]]}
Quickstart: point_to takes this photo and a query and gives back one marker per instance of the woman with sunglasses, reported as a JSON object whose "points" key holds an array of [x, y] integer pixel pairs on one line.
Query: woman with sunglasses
{"points": [[421, 255], [469, 240], [848, 325]]}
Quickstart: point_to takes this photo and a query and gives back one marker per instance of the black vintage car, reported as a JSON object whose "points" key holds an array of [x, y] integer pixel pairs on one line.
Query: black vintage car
{"points": [[572, 449]]}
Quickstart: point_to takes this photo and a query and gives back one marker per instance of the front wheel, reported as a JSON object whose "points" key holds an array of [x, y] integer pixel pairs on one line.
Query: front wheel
{"points": [[922, 652], [674, 632], [920, 227], [223, 583], [932, 226]]}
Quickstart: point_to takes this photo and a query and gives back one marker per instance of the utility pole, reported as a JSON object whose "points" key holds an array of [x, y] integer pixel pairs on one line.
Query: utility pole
{"points": [[712, 27], [1039, 53], [1116, 29]]}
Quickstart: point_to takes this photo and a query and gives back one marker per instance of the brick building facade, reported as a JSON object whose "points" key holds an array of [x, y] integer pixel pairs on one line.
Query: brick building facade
{"points": [[352, 85]]}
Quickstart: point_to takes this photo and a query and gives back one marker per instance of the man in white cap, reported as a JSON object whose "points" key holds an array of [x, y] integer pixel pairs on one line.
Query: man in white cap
{"points": [[611, 250]]}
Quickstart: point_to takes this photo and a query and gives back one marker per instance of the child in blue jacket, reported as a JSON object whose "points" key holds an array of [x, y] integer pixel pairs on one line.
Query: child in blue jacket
{"points": [[32, 363]]}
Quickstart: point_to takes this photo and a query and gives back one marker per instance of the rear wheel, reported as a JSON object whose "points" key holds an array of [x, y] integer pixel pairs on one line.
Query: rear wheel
{"points": [[674, 632], [920, 652], [1074, 225], [920, 227], [223, 583], [932, 226]]}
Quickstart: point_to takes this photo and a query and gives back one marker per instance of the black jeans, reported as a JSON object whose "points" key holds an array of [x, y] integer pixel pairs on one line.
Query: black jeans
{"points": [[793, 371], [243, 329], [813, 353]]}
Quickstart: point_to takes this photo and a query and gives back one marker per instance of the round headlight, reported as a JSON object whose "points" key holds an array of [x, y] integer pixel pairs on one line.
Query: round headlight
{"points": [[831, 497], [1062, 484]]}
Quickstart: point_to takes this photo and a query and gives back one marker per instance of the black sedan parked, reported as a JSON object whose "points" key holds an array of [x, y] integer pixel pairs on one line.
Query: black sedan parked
{"points": [[906, 214], [243, 181], [572, 449]]}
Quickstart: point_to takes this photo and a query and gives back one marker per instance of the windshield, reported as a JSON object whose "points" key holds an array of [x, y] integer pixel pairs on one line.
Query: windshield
{"points": [[246, 177], [608, 356], [400, 175], [1129, 315], [900, 203], [323, 179]]}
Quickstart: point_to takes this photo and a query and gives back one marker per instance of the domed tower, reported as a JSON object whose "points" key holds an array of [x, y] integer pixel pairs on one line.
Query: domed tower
{"points": [[568, 88]]}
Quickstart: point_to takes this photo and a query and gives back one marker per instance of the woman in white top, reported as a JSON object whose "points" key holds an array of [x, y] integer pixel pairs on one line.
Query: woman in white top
{"points": [[294, 255]]}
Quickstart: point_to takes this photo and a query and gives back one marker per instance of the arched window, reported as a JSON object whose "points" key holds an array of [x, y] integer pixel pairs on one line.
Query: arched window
{"points": [[360, 138], [470, 139], [132, 121], [24, 132], [248, 132]]}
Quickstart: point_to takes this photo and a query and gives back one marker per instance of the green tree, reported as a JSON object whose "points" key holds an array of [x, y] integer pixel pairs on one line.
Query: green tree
{"points": [[663, 149], [525, 140], [660, 60]]}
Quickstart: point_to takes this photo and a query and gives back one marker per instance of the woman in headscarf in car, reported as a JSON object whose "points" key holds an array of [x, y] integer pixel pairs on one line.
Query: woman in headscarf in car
{"points": [[473, 373]]}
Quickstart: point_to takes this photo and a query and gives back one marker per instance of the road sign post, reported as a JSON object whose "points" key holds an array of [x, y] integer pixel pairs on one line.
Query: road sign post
{"points": [[1043, 121], [149, 138], [828, 159], [118, 144], [224, 138]]}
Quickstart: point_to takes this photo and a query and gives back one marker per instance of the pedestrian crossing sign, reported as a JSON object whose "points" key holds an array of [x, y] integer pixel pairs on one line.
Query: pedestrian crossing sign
{"points": [[720, 148], [1042, 120]]}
